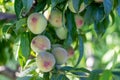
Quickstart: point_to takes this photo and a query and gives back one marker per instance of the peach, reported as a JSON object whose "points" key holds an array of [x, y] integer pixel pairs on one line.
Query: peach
{"points": [[56, 18], [60, 55], [79, 21], [40, 43], [61, 32], [45, 61], [70, 6], [36, 23], [70, 51]]}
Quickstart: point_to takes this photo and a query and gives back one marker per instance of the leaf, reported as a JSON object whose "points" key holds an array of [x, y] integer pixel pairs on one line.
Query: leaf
{"points": [[6, 28], [72, 31], [19, 24], [106, 75], [116, 72], [88, 1], [89, 14], [40, 6], [27, 4], [18, 7], [25, 45], [93, 76], [108, 4], [16, 47], [46, 76], [81, 49], [73, 69], [62, 77], [118, 10], [99, 14], [58, 77], [76, 4], [100, 27], [55, 2]]}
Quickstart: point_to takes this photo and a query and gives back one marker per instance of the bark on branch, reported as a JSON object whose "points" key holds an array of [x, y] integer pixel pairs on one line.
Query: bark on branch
{"points": [[8, 72], [7, 16]]}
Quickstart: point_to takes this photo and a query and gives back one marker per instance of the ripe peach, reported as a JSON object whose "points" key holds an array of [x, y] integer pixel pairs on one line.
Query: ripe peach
{"points": [[98, 1], [61, 32], [40, 43], [70, 6], [56, 18], [70, 51], [36, 23], [79, 21], [60, 55], [45, 61]]}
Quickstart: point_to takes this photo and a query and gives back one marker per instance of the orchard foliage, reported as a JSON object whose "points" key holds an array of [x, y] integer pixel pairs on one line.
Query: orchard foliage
{"points": [[40, 41]]}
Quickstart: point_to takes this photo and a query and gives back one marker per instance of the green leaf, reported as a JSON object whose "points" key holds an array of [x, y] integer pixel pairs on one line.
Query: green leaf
{"points": [[76, 4], [118, 10], [6, 28], [54, 77], [55, 2], [99, 14], [18, 7], [40, 6], [93, 76], [88, 1], [108, 4], [16, 47], [46, 76], [81, 49], [27, 4], [62, 77], [73, 69], [58, 77], [89, 14], [106, 75], [100, 27], [72, 31], [19, 24], [25, 45]]}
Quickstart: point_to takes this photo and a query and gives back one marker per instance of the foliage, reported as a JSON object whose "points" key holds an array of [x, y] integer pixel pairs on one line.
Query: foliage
{"points": [[96, 41]]}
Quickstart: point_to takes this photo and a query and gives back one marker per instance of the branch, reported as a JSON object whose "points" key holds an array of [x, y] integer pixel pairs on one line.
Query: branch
{"points": [[8, 72], [7, 16]]}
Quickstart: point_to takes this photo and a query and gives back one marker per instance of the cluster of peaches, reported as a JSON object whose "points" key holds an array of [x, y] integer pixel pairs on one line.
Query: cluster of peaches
{"points": [[50, 55]]}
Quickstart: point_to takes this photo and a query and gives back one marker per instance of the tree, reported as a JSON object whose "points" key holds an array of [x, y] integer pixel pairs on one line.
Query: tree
{"points": [[60, 39]]}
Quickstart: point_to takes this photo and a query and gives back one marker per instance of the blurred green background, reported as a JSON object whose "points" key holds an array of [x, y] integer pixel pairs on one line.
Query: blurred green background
{"points": [[99, 52]]}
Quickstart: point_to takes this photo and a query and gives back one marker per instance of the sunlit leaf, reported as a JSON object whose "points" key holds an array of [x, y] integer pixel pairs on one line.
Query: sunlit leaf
{"points": [[106, 75]]}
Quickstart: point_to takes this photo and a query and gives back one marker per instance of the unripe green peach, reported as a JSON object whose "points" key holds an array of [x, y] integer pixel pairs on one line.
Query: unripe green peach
{"points": [[45, 61], [98, 1], [56, 18], [61, 32], [70, 6], [40, 43], [79, 21], [36, 23], [70, 51], [60, 55]]}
